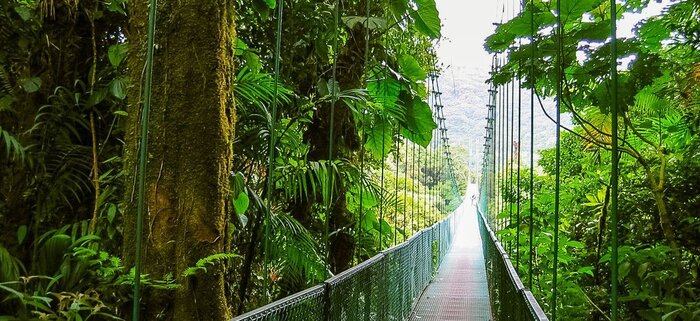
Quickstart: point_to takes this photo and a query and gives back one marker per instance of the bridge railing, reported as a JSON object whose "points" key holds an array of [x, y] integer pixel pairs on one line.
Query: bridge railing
{"points": [[510, 299], [384, 287]]}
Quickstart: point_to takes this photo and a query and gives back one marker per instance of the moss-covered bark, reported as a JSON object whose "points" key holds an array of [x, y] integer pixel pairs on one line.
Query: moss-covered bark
{"points": [[347, 142], [191, 134]]}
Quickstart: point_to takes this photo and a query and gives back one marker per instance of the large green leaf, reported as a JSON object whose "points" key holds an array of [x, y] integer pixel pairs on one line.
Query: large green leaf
{"points": [[652, 33], [517, 27], [31, 85], [411, 69], [384, 91], [373, 23], [573, 9], [379, 139], [398, 7], [419, 123], [427, 18], [241, 203], [117, 53], [118, 87]]}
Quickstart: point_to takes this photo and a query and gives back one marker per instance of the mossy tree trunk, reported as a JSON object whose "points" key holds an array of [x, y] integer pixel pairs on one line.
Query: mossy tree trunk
{"points": [[346, 141], [190, 153]]}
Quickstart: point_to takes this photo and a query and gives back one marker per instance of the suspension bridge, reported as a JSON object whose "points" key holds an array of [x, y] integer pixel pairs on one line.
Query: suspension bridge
{"points": [[457, 268]]}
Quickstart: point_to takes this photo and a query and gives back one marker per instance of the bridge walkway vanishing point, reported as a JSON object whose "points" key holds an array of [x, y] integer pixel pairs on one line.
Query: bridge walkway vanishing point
{"points": [[460, 289], [453, 270]]}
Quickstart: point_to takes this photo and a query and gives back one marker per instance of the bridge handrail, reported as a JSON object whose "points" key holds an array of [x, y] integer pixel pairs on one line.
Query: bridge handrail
{"points": [[505, 285], [380, 288]]}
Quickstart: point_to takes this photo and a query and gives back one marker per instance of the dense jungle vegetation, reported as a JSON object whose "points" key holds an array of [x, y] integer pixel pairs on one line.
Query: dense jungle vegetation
{"points": [[659, 209], [71, 92]]}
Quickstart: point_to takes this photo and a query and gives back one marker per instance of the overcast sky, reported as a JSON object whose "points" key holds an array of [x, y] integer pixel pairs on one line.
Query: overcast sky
{"points": [[466, 23]]}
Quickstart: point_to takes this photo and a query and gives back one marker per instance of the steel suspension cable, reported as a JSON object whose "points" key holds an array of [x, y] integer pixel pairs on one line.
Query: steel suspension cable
{"points": [[381, 184], [505, 152], [531, 222], [273, 141], [497, 154], [429, 168], [405, 188], [517, 194], [331, 140], [384, 124], [614, 182], [396, 184], [413, 188], [511, 149], [420, 211], [559, 68], [143, 156], [358, 225], [436, 149]]}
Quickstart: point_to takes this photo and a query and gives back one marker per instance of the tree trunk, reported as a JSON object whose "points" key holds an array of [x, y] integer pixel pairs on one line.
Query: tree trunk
{"points": [[664, 220], [190, 153], [657, 189], [350, 71]]}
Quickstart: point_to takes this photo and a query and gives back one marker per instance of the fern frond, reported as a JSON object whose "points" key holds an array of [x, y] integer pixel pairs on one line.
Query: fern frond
{"points": [[5, 84], [296, 250], [13, 148], [201, 264], [252, 88]]}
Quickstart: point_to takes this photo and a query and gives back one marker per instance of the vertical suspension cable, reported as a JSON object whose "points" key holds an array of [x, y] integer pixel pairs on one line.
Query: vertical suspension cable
{"points": [[494, 144], [381, 185], [443, 124], [532, 143], [559, 64], [420, 210], [358, 225], [385, 121], [413, 188], [396, 184], [511, 150], [143, 156], [497, 153], [331, 141], [431, 162], [615, 164], [405, 188], [434, 141], [517, 194], [272, 143], [506, 114]]}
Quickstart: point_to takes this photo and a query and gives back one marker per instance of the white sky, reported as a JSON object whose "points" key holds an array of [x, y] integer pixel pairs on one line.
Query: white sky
{"points": [[466, 23]]}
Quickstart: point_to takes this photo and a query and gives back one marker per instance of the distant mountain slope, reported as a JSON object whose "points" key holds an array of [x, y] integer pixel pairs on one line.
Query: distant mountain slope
{"points": [[465, 96]]}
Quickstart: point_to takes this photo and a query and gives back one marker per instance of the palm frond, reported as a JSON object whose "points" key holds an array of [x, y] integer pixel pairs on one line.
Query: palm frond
{"points": [[296, 250], [252, 88], [66, 179], [13, 148]]}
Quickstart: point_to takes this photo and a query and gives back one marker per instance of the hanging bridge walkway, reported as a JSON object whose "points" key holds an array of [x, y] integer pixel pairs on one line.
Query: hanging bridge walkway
{"points": [[453, 270], [460, 289]]}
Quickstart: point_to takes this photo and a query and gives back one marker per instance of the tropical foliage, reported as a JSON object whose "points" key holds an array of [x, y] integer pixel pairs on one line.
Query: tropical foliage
{"points": [[63, 113], [658, 96]]}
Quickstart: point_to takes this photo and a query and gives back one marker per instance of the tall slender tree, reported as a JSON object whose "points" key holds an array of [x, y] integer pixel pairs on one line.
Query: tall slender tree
{"points": [[190, 153]]}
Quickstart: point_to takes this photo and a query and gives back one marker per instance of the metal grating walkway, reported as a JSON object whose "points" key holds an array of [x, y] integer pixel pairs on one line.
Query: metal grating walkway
{"points": [[460, 290]]}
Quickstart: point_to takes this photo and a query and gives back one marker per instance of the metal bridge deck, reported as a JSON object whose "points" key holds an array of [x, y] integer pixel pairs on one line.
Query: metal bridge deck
{"points": [[460, 290]]}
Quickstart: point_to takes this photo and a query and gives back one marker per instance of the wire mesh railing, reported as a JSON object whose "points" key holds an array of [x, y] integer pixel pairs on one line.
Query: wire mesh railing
{"points": [[510, 299], [384, 287]]}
